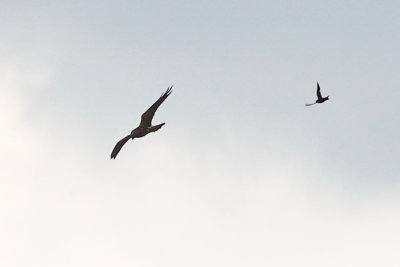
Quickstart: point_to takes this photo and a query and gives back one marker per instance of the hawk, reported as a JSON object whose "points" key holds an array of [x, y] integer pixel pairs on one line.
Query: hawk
{"points": [[145, 126]]}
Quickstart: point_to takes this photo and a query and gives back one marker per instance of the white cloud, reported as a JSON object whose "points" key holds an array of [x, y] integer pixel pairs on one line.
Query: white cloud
{"points": [[178, 204]]}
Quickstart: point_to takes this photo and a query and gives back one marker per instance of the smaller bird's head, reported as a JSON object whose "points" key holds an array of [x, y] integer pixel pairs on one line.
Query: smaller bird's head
{"points": [[327, 98]]}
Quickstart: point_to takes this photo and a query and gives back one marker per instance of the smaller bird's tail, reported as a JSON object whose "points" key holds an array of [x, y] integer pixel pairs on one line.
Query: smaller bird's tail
{"points": [[310, 104]]}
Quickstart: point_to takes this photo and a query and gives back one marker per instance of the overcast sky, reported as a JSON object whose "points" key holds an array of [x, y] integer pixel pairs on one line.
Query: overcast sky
{"points": [[242, 174]]}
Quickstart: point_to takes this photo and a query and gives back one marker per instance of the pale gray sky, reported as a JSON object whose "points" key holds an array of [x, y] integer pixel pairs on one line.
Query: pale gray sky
{"points": [[242, 174]]}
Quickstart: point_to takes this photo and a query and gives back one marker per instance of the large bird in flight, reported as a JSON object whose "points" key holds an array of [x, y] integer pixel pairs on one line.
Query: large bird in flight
{"points": [[320, 98], [145, 126]]}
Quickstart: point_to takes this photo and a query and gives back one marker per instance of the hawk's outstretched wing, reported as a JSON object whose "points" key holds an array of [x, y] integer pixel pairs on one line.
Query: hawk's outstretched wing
{"points": [[119, 145], [319, 91], [148, 115]]}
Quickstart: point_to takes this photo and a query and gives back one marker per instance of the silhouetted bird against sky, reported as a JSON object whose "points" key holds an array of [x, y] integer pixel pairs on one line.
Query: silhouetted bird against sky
{"points": [[320, 98], [145, 126]]}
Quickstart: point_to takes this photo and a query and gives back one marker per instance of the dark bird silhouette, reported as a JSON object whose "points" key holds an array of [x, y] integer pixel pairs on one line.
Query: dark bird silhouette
{"points": [[320, 98], [145, 126]]}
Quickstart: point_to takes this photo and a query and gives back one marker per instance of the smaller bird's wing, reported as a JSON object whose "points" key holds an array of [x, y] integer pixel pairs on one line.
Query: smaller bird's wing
{"points": [[119, 145], [319, 91], [148, 115]]}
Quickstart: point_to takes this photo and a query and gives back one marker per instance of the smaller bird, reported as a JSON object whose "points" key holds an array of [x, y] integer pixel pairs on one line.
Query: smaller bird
{"points": [[145, 126], [320, 98]]}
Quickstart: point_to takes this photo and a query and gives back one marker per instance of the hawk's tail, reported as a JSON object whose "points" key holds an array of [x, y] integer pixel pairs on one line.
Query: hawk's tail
{"points": [[155, 127]]}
